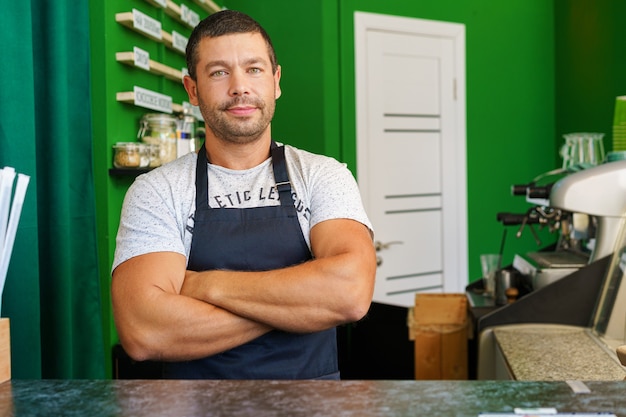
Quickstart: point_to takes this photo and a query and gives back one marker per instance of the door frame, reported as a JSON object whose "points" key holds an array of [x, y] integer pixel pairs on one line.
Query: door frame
{"points": [[454, 167]]}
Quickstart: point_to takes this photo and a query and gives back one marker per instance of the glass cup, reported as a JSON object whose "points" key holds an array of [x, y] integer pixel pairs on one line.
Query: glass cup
{"points": [[490, 263], [582, 150]]}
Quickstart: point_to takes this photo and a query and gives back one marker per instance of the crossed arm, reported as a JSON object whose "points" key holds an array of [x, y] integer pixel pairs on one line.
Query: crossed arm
{"points": [[163, 312]]}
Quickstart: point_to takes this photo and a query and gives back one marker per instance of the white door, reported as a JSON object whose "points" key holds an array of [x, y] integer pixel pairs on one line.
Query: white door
{"points": [[411, 152]]}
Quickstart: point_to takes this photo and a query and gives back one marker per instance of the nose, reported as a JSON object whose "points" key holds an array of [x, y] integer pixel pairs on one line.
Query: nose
{"points": [[238, 84]]}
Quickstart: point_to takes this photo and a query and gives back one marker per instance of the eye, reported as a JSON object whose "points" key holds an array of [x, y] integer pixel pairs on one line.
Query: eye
{"points": [[255, 70], [218, 73]]}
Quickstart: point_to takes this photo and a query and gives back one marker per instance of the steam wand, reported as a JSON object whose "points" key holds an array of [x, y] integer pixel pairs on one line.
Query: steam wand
{"points": [[534, 215]]}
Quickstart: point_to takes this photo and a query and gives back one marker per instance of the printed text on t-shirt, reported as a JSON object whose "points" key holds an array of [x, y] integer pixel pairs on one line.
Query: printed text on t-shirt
{"points": [[263, 197]]}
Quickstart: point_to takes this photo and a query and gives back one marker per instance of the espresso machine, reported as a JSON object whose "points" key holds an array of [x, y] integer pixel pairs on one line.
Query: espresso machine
{"points": [[557, 197], [599, 192], [588, 208], [576, 232]]}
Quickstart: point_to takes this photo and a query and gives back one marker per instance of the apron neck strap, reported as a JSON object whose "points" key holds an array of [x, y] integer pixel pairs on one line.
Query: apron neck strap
{"points": [[279, 165], [283, 185]]}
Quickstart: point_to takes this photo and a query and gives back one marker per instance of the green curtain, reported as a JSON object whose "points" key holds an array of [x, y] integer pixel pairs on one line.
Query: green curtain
{"points": [[52, 293]]}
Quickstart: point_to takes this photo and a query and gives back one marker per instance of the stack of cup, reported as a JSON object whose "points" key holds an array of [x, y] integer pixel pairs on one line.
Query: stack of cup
{"points": [[582, 150], [619, 124], [490, 263]]}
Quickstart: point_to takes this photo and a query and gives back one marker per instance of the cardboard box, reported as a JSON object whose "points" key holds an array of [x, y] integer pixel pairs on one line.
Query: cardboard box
{"points": [[5, 350], [438, 325]]}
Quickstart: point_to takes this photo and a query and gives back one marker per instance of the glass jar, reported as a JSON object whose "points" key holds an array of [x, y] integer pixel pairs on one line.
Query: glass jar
{"points": [[144, 155], [126, 155], [159, 129], [155, 155], [186, 141]]}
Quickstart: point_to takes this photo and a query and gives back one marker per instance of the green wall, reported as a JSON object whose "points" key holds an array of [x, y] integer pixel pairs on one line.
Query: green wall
{"points": [[305, 36], [591, 64]]}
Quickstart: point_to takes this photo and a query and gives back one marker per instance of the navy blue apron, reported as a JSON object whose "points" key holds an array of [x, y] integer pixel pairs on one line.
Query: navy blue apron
{"points": [[255, 239]]}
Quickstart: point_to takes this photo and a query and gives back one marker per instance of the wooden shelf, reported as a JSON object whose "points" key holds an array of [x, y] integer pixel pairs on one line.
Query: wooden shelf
{"points": [[156, 3], [176, 11], [128, 58], [128, 172], [129, 98], [126, 19]]}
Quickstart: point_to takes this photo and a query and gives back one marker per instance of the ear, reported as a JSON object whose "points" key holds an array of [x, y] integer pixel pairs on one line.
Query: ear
{"points": [[277, 91], [192, 89]]}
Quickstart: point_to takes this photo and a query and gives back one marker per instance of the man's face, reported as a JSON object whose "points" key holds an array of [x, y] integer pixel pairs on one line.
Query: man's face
{"points": [[235, 87]]}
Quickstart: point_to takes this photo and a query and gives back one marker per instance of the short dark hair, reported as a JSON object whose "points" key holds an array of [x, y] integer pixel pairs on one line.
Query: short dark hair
{"points": [[222, 23]]}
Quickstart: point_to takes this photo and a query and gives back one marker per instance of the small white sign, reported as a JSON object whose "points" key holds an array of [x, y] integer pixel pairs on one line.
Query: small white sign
{"points": [[152, 100], [179, 42], [189, 16], [146, 24], [142, 58], [162, 3]]}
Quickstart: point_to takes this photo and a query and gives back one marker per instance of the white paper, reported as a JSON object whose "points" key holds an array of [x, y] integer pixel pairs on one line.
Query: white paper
{"points": [[179, 42], [577, 414], [189, 16], [7, 176], [142, 58], [147, 25], [14, 218], [152, 100]]}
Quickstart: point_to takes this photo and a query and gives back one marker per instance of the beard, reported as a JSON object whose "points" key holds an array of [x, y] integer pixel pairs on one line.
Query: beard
{"points": [[238, 130]]}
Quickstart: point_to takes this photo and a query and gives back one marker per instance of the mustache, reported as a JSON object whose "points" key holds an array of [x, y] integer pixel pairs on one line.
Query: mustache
{"points": [[241, 101]]}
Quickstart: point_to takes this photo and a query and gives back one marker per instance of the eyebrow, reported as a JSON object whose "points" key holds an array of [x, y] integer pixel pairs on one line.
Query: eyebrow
{"points": [[247, 62]]}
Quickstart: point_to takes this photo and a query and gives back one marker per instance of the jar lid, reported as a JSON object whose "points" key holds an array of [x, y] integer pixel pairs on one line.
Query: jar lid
{"points": [[158, 118], [126, 145]]}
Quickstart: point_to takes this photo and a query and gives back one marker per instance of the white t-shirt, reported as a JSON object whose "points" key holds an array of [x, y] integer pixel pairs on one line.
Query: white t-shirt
{"points": [[157, 214]]}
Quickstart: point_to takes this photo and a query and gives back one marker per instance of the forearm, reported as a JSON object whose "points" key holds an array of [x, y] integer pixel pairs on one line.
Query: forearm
{"points": [[334, 288], [299, 299], [155, 322], [204, 330]]}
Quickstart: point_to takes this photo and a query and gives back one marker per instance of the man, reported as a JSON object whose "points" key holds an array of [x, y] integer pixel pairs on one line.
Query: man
{"points": [[240, 261]]}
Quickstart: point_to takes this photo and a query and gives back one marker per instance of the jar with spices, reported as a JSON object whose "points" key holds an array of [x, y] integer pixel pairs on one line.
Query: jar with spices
{"points": [[126, 155], [159, 129]]}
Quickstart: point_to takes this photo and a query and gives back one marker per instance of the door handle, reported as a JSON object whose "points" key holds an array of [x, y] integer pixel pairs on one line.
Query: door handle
{"points": [[378, 245]]}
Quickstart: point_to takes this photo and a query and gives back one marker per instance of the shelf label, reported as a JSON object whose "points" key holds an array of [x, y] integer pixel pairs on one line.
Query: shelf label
{"points": [[146, 24], [142, 58], [152, 100], [179, 42], [189, 16]]}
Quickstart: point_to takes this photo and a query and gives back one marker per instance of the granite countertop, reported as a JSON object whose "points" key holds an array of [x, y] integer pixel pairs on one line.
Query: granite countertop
{"points": [[545, 352], [139, 398]]}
